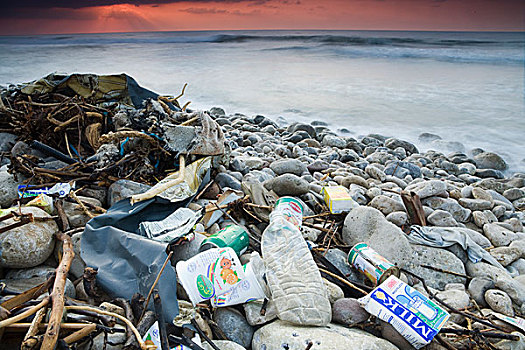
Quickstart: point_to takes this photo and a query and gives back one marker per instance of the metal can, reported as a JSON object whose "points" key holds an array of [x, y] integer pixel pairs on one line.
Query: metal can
{"points": [[291, 209], [232, 236], [374, 266]]}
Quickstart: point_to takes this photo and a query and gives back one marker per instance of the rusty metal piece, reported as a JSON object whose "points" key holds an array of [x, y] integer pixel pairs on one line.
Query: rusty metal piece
{"points": [[412, 202], [21, 221]]}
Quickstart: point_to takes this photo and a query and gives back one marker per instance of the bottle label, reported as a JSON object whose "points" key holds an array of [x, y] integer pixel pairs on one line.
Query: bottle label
{"points": [[291, 209]]}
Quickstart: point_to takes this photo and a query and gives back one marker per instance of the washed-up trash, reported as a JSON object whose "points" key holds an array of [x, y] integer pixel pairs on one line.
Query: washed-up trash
{"points": [[261, 196], [152, 337], [119, 88], [293, 277], [338, 199], [417, 318], [206, 138], [232, 236], [249, 289], [128, 262], [290, 209], [212, 216], [374, 266], [514, 321], [448, 236], [42, 201], [61, 189], [210, 273], [190, 178], [178, 224]]}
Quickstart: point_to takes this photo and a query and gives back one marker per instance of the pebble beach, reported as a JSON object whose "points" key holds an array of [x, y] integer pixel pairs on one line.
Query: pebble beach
{"points": [[469, 194]]}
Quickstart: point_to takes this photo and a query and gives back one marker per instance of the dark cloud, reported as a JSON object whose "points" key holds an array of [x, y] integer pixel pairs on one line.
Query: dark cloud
{"points": [[76, 4], [203, 11], [214, 11], [49, 14]]}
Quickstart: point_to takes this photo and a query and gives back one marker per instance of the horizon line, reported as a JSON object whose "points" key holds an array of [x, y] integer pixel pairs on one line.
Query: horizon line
{"points": [[284, 29]]}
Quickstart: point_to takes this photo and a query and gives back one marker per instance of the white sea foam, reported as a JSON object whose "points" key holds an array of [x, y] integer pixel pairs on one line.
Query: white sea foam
{"points": [[465, 87]]}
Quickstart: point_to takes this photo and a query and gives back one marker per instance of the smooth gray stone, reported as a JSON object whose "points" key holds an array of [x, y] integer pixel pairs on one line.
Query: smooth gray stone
{"points": [[281, 335], [121, 189], [234, 326]]}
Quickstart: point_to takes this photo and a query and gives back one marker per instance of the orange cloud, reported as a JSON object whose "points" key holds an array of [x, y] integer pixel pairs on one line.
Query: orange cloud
{"points": [[264, 14]]}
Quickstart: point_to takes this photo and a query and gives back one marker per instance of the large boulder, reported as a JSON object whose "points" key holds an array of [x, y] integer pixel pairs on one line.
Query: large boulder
{"points": [[365, 224], [281, 335]]}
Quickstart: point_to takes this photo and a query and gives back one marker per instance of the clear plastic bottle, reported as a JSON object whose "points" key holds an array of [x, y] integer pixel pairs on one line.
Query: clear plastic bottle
{"points": [[293, 277]]}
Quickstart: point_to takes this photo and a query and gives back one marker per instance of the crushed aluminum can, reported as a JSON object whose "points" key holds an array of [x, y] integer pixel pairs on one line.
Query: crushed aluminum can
{"points": [[374, 266], [417, 318], [232, 236]]}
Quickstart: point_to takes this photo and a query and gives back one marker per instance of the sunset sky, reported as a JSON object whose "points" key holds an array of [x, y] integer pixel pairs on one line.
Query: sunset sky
{"points": [[92, 16]]}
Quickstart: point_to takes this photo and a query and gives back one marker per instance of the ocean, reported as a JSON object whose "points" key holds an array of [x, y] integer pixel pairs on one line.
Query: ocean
{"points": [[466, 87]]}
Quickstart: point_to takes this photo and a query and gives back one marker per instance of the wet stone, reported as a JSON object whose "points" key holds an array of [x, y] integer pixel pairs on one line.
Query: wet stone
{"points": [[477, 288], [292, 166], [499, 301], [225, 180], [281, 335], [234, 326], [28, 245], [121, 189], [287, 185], [347, 311], [489, 160]]}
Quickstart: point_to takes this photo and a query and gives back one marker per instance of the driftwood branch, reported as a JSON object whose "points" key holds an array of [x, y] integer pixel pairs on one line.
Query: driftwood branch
{"points": [[128, 323], [81, 333], [53, 328], [24, 314], [29, 339], [29, 294]]}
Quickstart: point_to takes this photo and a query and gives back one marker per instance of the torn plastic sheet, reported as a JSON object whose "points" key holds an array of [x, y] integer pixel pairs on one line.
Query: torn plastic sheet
{"points": [[448, 236], [176, 225], [120, 88], [128, 262]]}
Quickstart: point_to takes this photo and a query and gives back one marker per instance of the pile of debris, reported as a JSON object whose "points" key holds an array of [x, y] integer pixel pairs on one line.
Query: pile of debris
{"points": [[131, 222]]}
